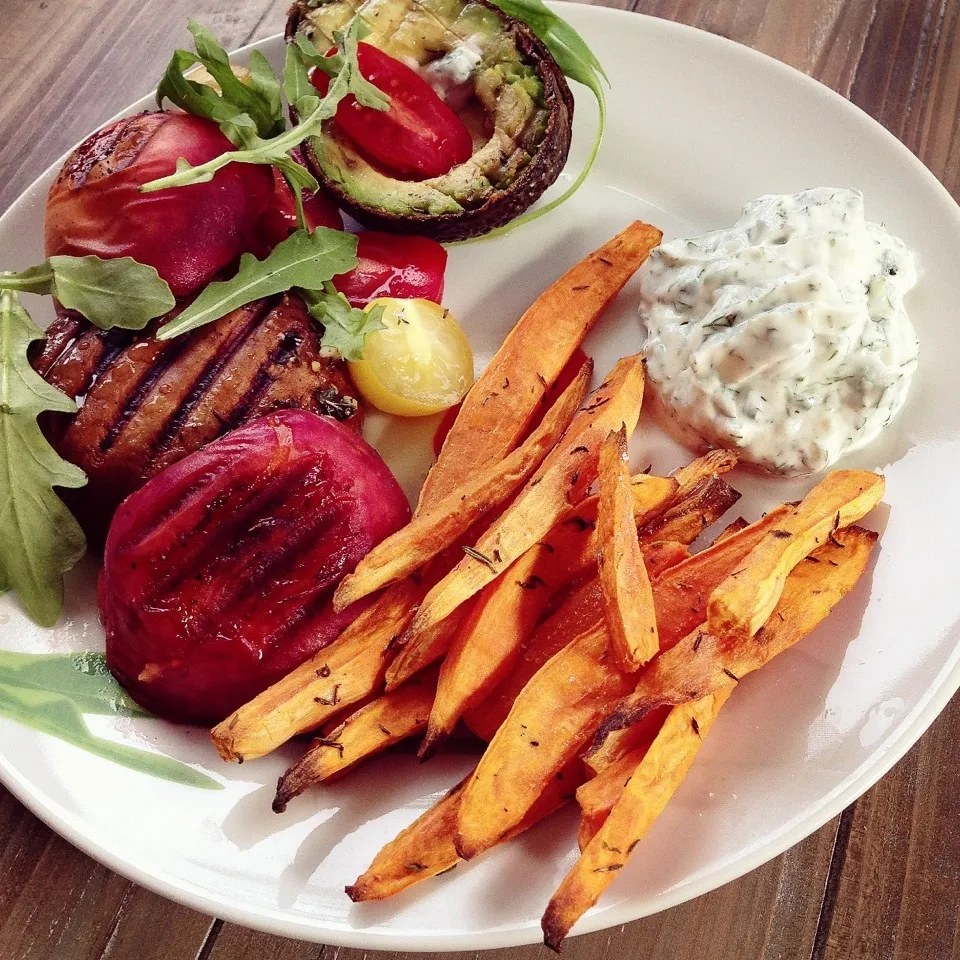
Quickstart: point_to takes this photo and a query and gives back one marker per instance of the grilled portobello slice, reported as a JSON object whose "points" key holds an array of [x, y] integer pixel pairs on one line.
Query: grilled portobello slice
{"points": [[144, 404], [517, 106]]}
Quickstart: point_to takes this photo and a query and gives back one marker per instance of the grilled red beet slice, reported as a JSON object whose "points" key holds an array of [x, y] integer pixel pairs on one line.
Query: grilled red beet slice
{"points": [[218, 573]]}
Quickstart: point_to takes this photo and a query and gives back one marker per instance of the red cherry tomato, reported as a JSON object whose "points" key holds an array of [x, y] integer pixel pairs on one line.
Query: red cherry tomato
{"points": [[391, 265], [279, 220], [419, 135], [570, 370], [188, 233]]}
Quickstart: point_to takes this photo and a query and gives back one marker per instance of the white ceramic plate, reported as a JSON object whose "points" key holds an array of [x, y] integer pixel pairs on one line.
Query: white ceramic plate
{"points": [[698, 126]]}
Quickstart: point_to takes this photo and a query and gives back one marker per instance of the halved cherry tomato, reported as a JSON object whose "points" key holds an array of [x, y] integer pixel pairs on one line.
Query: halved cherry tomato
{"points": [[419, 135], [419, 363], [279, 220], [407, 268]]}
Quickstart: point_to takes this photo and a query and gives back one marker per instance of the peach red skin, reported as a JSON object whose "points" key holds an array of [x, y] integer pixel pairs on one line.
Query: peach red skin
{"points": [[188, 233], [218, 573]]}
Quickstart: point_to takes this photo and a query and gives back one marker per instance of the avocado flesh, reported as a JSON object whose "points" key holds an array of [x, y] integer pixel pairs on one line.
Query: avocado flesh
{"points": [[506, 86]]}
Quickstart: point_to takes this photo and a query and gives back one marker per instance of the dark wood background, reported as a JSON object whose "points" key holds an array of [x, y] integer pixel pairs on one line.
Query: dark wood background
{"points": [[882, 881]]}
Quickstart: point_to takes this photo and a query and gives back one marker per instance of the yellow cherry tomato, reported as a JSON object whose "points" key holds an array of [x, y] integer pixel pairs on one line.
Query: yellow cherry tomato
{"points": [[419, 363]]}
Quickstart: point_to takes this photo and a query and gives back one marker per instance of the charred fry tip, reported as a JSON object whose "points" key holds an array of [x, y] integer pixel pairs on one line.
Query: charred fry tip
{"points": [[282, 797], [432, 741], [354, 891], [553, 932]]}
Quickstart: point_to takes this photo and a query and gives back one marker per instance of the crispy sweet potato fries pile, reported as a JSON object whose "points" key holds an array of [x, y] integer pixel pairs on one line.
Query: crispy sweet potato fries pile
{"points": [[575, 633]]}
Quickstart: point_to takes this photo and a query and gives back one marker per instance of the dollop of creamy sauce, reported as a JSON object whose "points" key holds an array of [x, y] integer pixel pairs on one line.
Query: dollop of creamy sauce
{"points": [[452, 75], [784, 337]]}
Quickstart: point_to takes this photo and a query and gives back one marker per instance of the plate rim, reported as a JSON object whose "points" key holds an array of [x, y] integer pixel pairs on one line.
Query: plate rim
{"points": [[909, 731]]}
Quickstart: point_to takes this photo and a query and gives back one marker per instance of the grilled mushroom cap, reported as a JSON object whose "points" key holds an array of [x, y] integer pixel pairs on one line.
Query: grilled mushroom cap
{"points": [[520, 155], [145, 403]]}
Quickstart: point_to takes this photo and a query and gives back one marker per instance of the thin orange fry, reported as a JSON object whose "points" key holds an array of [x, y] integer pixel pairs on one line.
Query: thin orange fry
{"points": [[598, 795], [532, 357], [425, 848], [702, 662], [561, 480], [379, 724], [741, 604], [565, 702], [437, 527], [645, 796], [630, 615], [506, 611]]}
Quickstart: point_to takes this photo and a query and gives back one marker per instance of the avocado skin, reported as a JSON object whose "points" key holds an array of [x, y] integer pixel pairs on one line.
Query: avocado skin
{"points": [[503, 205]]}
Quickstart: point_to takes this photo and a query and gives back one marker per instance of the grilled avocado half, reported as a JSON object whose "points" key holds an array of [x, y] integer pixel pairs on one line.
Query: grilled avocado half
{"points": [[500, 79]]}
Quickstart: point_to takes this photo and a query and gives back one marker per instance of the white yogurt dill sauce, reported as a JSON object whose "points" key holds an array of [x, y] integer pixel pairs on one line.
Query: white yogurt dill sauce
{"points": [[785, 337]]}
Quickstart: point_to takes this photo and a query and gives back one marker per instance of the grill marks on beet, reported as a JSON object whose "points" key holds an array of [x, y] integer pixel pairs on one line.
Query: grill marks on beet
{"points": [[218, 574], [144, 404], [267, 578]]}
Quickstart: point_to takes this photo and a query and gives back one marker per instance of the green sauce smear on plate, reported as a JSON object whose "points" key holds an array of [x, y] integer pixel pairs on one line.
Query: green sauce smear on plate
{"points": [[52, 692]]}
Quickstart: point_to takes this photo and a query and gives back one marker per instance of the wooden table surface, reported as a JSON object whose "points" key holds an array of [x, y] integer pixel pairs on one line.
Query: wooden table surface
{"points": [[882, 881]]}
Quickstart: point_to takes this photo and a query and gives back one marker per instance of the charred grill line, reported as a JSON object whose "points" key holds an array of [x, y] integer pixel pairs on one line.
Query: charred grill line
{"points": [[266, 556], [151, 375], [308, 603], [207, 376], [257, 500], [114, 343], [280, 355]]}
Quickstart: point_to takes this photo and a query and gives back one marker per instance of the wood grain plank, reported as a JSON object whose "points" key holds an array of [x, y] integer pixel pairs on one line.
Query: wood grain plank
{"points": [[69, 65], [899, 889], [58, 904]]}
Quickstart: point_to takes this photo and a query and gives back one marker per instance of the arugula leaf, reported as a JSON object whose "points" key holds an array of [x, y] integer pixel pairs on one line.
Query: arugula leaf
{"points": [[109, 293], [304, 259], [301, 94], [345, 328], [41, 539], [257, 100], [366, 93], [579, 63], [275, 150]]}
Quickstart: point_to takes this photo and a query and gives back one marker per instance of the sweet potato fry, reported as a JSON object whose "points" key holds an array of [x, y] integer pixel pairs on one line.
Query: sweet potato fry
{"points": [[565, 702], [437, 527], [598, 795], [379, 724], [644, 798], [425, 849], [689, 517], [628, 597], [550, 331], [506, 611], [561, 480], [349, 669], [701, 663], [742, 603], [579, 611]]}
